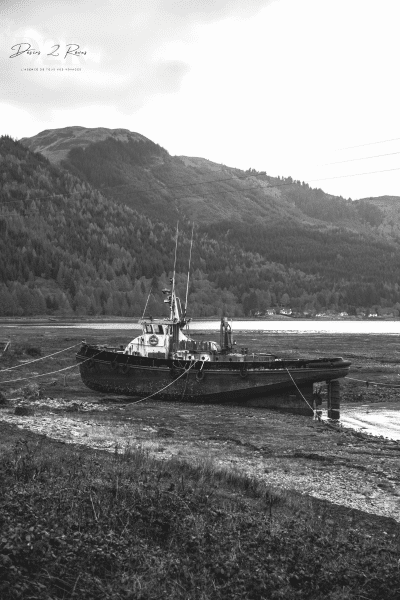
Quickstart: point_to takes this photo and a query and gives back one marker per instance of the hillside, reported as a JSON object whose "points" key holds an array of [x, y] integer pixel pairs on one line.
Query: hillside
{"points": [[131, 169], [94, 236], [55, 144], [389, 209]]}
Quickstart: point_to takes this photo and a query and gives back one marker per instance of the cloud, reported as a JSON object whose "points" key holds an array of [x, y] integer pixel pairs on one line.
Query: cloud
{"points": [[121, 46]]}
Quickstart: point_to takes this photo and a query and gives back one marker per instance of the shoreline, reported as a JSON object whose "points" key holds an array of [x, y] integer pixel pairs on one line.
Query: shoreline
{"points": [[340, 465], [291, 452]]}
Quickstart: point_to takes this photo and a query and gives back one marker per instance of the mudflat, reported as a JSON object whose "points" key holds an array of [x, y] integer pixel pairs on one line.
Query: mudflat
{"points": [[294, 452]]}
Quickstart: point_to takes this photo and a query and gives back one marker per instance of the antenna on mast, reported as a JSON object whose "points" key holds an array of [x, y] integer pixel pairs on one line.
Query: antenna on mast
{"points": [[190, 260], [145, 306], [173, 303]]}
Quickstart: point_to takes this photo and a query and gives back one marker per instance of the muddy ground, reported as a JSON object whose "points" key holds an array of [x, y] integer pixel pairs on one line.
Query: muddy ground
{"points": [[355, 470]]}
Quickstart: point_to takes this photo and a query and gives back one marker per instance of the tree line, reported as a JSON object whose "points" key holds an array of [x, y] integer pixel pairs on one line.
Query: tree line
{"points": [[67, 249]]}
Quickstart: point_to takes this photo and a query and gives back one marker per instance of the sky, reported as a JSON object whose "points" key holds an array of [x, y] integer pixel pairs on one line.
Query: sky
{"points": [[306, 88]]}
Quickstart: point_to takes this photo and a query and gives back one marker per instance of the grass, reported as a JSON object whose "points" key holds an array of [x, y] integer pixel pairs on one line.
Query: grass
{"points": [[84, 524]]}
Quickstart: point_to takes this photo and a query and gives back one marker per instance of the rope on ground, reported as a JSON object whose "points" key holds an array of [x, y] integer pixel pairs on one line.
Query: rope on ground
{"points": [[368, 382], [36, 359], [167, 386], [50, 373]]}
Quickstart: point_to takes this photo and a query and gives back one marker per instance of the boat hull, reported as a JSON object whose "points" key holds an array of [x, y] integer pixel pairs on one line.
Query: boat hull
{"points": [[116, 373]]}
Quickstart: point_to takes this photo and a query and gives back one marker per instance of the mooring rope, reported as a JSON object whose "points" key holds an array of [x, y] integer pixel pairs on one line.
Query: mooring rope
{"points": [[187, 371], [298, 389], [167, 386], [368, 382], [51, 372], [29, 362], [329, 425]]}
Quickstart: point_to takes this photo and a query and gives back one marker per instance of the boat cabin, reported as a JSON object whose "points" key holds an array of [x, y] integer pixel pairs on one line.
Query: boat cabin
{"points": [[160, 338], [165, 338]]}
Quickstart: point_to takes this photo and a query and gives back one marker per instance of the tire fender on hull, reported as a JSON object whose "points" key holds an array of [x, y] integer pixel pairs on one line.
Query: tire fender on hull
{"points": [[200, 375]]}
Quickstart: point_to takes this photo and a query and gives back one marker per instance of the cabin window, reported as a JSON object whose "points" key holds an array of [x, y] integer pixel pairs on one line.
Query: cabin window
{"points": [[160, 329], [149, 328]]}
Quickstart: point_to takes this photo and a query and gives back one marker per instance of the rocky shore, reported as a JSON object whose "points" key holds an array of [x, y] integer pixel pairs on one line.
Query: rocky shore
{"points": [[342, 466]]}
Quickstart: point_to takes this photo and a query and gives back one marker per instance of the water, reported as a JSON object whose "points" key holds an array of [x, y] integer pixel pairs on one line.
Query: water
{"points": [[368, 327], [307, 326], [374, 419]]}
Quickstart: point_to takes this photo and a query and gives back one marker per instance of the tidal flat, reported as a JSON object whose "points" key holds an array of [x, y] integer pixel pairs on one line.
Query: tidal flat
{"points": [[295, 508]]}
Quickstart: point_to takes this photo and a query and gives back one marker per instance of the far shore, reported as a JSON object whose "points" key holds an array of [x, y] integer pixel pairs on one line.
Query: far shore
{"points": [[73, 320]]}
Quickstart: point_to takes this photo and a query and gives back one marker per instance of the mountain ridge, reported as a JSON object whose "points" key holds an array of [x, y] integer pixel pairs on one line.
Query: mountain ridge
{"points": [[55, 144], [260, 241], [184, 182]]}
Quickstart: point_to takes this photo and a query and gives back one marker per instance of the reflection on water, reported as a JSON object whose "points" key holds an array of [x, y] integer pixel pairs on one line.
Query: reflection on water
{"points": [[308, 326], [375, 419]]}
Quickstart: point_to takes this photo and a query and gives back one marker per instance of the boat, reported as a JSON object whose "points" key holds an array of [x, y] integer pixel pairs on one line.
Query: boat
{"points": [[165, 362]]}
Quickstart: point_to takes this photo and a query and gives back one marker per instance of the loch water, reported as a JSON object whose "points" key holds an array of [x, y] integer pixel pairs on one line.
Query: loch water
{"points": [[365, 326]]}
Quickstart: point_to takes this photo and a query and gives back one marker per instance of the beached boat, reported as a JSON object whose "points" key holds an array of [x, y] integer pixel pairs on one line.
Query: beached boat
{"points": [[167, 363]]}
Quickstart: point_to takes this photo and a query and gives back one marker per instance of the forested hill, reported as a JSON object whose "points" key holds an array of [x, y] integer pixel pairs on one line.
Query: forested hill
{"points": [[97, 235], [130, 168]]}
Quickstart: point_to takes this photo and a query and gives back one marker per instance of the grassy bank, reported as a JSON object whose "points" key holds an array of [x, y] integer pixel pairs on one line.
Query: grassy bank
{"points": [[83, 524]]}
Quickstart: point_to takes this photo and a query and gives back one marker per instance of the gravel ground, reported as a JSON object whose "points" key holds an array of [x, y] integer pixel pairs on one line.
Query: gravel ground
{"points": [[286, 451]]}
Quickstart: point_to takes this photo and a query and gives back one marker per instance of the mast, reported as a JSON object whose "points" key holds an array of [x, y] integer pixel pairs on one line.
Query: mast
{"points": [[190, 260], [173, 298], [147, 301]]}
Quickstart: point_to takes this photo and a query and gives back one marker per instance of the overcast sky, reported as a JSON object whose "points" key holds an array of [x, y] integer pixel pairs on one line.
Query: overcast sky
{"points": [[307, 88]]}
